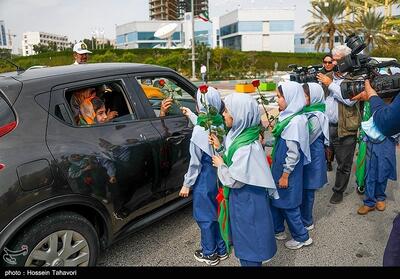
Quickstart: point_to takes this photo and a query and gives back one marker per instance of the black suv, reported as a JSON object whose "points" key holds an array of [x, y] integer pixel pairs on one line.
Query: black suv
{"points": [[67, 189]]}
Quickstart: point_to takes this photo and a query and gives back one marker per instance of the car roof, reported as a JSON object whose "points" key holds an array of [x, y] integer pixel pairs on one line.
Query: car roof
{"points": [[95, 69], [383, 59]]}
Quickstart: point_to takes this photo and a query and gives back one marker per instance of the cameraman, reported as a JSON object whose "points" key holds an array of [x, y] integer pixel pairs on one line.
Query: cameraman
{"points": [[386, 119], [344, 121]]}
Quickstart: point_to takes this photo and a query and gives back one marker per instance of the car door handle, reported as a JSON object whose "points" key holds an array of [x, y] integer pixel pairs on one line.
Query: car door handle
{"points": [[176, 140]]}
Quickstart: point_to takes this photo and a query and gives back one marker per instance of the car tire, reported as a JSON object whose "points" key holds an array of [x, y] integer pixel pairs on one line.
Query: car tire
{"points": [[59, 239]]}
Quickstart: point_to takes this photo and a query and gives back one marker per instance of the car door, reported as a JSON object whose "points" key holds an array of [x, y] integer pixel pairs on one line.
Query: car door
{"points": [[125, 148], [175, 129]]}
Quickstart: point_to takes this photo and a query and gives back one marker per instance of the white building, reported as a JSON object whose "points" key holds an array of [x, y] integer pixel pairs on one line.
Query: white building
{"points": [[302, 44], [29, 39], [258, 29], [140, 34]]}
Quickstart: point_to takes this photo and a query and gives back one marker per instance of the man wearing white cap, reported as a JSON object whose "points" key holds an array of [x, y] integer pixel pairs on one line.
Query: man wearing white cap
{"points": [[81, 53]]}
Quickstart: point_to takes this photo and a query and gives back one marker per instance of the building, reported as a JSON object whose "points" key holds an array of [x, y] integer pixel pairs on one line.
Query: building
{"points": [[175, 9], [29, 39], [164, 9], [140, 34], [258, 29], [185, 6], [3, 36], [301, 44]]}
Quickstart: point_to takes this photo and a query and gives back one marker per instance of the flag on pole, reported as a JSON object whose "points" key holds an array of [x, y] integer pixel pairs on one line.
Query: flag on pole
{"points": [[204, 16]]}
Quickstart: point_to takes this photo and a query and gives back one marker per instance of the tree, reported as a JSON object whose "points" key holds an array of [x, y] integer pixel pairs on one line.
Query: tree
{"points": [[90, 43], [40, 48], [371, 26], [52, 46], [329, 20]]}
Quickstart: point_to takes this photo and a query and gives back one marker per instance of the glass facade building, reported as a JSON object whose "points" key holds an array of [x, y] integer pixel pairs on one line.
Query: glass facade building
{"points": [[258, 29], [3, 35]]}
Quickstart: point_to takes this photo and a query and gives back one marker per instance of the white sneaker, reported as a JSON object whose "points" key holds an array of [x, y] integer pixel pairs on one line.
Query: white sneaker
{"points": [[310, 227], [294, 245], [281, 236]]}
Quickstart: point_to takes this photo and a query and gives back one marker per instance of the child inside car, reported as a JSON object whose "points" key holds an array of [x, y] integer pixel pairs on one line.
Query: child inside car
{"points": [[93, 110], [80, 103]]}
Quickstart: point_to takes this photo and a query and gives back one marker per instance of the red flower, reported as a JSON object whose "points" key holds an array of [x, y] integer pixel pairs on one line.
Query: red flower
{"points": [[161, 82], [269, 159], [256, 83], [203, 89]]}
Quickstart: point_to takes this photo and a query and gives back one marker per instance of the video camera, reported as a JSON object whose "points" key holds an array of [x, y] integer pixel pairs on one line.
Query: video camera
{"points": [[302, 74], [361, 67]]}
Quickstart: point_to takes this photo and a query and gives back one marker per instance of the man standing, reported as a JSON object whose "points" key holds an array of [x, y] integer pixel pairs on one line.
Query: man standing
{"points": [[80, 53], [203, 71], [344, 121], [386, 119]]}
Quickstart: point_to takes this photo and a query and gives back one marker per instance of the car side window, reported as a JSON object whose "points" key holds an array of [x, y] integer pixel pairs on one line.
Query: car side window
{"points": [[158, 89], [97, 104]]}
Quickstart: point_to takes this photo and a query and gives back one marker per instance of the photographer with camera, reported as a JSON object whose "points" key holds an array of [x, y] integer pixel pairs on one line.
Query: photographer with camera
{"points": [[344, 121], [386, 119]]}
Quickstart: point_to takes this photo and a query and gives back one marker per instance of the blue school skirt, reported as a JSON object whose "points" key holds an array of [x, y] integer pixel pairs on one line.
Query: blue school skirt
{"points": [[251, 224], [205, 192], [315, 174], [290, 197]]}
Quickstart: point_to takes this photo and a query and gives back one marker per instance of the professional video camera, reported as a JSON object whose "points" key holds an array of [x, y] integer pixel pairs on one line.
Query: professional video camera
{"points": [[361, 67], [302, 74]]}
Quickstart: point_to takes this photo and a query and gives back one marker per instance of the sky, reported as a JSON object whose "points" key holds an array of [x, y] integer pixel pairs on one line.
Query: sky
{"points": [[78, 19]]}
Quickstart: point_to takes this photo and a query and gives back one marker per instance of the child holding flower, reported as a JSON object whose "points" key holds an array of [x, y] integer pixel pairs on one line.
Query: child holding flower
{"points": [[248, 183], [201, 177]]}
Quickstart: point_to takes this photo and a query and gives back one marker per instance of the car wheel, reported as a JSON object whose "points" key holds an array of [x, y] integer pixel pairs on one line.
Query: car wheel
{"points": [[60, 239]]}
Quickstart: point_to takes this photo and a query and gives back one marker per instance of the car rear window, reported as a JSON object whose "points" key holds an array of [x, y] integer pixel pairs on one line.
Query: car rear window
{"points": [[7, 117]]}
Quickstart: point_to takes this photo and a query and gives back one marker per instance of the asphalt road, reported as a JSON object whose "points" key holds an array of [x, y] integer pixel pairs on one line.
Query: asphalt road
{"points": [[341, 236]]}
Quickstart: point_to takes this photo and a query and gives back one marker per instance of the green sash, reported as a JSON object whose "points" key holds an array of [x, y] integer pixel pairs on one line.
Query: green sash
{"points": [[281, 125], [248, 136], [362, 151]]}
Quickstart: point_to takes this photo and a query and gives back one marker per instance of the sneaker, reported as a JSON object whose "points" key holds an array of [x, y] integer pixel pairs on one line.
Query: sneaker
{"points": [[281, 236], [336, 198], [222, 257], [210, 260], [294, 245], [310, 227], [380, 205]]}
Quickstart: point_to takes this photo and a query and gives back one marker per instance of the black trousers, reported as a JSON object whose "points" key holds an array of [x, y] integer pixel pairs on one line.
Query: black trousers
{"points": [[344, 152]]}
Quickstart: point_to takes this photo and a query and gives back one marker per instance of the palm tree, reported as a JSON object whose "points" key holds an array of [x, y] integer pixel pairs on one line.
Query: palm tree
{"points": [[372, 26], [329, 20]]}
